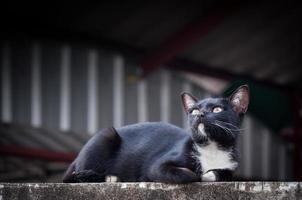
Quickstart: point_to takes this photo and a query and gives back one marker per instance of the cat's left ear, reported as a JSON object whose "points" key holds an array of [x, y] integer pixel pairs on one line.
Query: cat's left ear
{"points": [[240, 99], [188, 100]]}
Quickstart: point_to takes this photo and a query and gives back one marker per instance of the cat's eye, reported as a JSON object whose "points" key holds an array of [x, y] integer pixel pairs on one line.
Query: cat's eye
{"points": [[217, 109], [195, 112]]}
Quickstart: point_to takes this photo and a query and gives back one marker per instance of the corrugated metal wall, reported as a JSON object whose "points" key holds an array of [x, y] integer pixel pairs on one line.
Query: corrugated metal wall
{"points": [[83, 89]]}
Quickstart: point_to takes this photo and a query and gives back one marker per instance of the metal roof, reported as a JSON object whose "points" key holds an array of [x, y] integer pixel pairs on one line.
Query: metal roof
{"points": [[261, 39], [41, 138], [49, 152]]}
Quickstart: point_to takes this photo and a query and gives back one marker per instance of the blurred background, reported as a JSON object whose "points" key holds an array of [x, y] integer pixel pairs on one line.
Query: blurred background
{"points": [[68, 70]]}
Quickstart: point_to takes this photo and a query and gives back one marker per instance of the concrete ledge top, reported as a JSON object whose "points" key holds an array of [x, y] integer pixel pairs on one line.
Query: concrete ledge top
{"points": [[110, 191]]}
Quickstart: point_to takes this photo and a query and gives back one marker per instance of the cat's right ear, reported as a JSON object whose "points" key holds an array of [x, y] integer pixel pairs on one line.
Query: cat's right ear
{"points": [[188, 100]]}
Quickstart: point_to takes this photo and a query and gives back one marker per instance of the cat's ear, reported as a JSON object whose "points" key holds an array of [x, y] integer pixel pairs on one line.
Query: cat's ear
{"points": [[240, 99], [188, 100]]}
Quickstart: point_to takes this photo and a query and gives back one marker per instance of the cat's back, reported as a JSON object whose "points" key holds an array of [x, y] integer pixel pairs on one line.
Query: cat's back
{"points": [[151, 137], [150, 130]]}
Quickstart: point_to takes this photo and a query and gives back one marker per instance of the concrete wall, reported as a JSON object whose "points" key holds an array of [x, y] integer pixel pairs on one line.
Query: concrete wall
{"points": [[106, 191]]}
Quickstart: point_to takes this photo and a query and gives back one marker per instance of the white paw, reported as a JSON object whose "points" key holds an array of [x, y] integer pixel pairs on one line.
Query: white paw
{"points": [[208, 177], [111, 179]]}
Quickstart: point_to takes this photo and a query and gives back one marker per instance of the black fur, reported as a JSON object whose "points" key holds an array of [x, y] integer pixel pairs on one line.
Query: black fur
{"points": [[140, 152], [161, 152]]}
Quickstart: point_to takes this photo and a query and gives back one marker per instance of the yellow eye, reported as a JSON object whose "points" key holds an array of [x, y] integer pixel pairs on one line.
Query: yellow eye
{"points": [[195, 112], [217, 109]]}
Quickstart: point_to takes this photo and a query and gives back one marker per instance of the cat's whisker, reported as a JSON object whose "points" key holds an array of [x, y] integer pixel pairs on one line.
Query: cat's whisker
{"points": [[226, 123], [239, 130], [235, 128], [232, 129], [228, 131]]}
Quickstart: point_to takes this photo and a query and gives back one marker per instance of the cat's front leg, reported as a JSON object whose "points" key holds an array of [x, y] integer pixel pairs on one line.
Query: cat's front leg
{"points": [[217, 175], [169, 172]]}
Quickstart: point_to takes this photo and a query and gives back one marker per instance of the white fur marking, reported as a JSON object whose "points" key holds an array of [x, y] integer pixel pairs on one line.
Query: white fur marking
{"points": [[111, 179], [210, 176], [211, 157], [201, 129]]}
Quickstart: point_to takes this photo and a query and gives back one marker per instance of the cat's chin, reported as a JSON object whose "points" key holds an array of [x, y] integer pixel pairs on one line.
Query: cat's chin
{"points": [[201, 130]]}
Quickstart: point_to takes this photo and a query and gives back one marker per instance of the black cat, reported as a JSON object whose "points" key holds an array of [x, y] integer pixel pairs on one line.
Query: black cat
{"points": [[161, 152]]}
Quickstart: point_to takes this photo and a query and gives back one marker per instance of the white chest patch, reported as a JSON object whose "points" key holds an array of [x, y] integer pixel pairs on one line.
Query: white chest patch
{"points": [[211, 157]]}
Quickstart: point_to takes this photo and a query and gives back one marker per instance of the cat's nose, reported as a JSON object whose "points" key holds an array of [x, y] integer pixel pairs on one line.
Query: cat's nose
{"points": [[201, 113]]}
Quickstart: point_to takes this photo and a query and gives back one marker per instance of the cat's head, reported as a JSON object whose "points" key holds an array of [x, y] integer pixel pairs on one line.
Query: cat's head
{"points": [[216, 119]]}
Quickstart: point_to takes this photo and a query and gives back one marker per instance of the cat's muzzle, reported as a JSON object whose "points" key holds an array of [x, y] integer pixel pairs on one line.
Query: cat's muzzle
{"points": [[201, 129]]}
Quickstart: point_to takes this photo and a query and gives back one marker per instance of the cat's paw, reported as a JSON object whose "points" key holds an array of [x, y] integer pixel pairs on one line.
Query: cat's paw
{"points": [[208, 177], [85, 176], [111, 179]]}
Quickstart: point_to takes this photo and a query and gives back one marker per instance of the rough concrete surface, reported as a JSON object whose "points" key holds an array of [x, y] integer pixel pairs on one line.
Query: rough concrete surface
{"points": [[112, 191]]}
